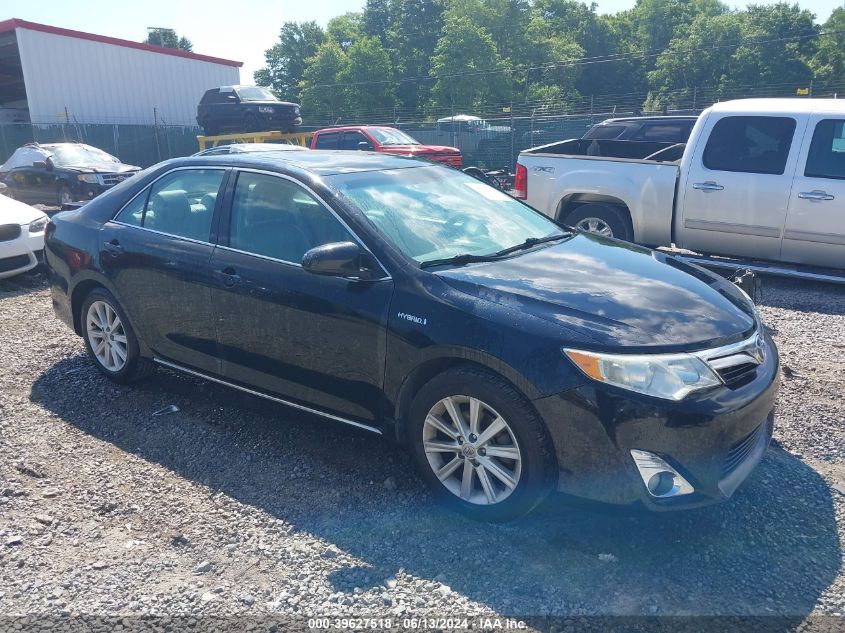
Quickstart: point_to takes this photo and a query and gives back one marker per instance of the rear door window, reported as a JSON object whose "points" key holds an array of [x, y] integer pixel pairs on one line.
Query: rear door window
{"points": [[179, 204], [750, 144], [351, 140], [328, 140], [826, 158]]}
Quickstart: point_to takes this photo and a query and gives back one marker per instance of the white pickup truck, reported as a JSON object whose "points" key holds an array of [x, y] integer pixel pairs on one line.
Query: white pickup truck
{"points": [[759, 179]]}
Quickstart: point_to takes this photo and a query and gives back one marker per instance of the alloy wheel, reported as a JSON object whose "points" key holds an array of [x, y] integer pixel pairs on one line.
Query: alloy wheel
{"points": [[472, 450], [595, 225], [106, 336]]}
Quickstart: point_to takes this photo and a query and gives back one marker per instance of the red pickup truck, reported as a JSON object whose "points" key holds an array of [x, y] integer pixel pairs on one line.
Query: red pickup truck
{"points": [[388, 140]]}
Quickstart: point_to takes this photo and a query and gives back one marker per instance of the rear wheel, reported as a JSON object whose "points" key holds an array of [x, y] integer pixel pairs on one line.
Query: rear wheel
{"points": [[480, 446], [251, 123], [601, 219], [208, 128], [109, 339]]}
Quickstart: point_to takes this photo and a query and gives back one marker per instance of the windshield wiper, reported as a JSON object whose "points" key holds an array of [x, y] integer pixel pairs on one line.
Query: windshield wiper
{"points": [[468, 258], [530, 243], [458, 260]]}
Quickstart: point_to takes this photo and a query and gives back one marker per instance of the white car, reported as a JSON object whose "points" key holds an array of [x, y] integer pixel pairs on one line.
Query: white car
{"points": [[21, 237]]}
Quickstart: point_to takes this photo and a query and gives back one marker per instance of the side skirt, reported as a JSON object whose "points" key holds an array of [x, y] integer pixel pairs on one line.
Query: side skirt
{"points": [[170, 365]]}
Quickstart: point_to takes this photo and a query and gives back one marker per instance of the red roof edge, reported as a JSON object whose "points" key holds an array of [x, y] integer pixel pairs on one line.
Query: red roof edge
{"points": [[15, 23]]}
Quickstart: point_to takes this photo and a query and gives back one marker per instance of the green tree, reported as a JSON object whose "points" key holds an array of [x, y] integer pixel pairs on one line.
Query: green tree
{"points": [[829, 61], [375, 20], [286, 61], [322, 99], [415, 27], [467, 67], [368, 74], [658, 22], [168, 39], [345, 29]]}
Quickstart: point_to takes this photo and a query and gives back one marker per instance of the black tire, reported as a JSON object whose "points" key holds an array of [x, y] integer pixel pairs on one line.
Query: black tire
{"points": [[538, 464], [135, 367], [208, 128], [616, 219], [64, 195]]}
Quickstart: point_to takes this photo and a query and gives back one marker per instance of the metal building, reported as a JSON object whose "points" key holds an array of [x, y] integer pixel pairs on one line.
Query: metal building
{"points": [[62, 76]]}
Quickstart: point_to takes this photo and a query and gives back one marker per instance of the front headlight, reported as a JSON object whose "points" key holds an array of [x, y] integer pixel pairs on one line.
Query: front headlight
{"points": [[265, 109], [668, 376], [37, 226], [91, 179]]}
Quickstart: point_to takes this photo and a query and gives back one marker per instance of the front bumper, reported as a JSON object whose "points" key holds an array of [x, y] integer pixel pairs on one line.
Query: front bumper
{"points": [[22, 253], [713, 439]]}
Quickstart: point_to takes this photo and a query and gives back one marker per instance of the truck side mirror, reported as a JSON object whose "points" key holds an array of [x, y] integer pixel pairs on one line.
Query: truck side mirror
{"points": [[364, 146]]}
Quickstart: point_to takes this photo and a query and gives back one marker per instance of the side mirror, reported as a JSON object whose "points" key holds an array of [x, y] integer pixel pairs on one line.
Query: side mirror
{"points": [[339, 259], [364, 146]]}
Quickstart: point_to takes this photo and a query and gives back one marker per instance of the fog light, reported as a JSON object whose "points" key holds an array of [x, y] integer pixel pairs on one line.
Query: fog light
{"points": [[660, 479]]}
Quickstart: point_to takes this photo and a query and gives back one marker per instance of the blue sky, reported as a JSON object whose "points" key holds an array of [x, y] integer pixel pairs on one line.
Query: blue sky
{"points": [[234, 30]]}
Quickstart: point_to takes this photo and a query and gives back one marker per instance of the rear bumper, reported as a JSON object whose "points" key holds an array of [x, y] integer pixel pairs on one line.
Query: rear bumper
{"points": [[713, 440]]}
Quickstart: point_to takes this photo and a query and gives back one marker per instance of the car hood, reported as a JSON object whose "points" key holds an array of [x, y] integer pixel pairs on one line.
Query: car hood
{"points": [[270, 103], [614, 293], [102, 168], [419, 149], [15, 212]]}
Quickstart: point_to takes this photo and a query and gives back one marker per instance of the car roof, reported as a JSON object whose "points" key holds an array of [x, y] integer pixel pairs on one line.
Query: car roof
{"points": [[649, 119], [795, 105], [318, 162], [341, 128]]}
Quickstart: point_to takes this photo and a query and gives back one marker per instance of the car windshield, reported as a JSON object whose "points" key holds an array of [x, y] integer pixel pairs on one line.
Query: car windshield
{"points": [[256, 93], [388, 136], [432, 213], [79, 155]]}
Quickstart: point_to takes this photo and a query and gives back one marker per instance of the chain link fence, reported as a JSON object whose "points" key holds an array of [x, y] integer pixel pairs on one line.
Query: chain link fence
{"points": [[492, 139]]}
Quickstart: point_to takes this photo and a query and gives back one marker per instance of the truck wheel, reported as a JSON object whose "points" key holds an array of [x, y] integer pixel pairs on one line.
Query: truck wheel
{"points": [[480, 446], [64, 195], [208, 128], [251, 123], [601, 219]]}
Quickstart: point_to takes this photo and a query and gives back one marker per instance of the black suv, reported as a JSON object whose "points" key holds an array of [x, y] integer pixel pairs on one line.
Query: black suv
{"points": [[60, 173], [245, 109], [663, 129]]}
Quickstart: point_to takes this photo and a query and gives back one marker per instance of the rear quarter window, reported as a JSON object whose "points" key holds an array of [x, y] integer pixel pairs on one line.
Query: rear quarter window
{"points": [[750, 144]]}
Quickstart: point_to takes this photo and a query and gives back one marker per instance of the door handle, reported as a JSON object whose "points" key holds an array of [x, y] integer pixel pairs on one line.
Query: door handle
{"points": [[707, 186], [228, 277], [113, 247], [815, 195]]}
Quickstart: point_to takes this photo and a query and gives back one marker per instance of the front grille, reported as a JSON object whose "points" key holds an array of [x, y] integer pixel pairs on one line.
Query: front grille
{"points": [[741, 450], [13, 263], [738, 375], [284, 111], [110, 180], [9, 232]]}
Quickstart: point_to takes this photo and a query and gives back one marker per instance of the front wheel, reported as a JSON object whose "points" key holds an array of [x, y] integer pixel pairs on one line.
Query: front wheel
{"points": [[109, 339], [480, 446]]}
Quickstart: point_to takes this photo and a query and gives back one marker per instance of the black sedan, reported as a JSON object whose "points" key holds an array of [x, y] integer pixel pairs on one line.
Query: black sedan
{"points": [[510, 355]]}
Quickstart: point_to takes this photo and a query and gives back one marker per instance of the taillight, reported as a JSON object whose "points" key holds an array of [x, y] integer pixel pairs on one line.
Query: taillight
{"points": [[520, 183]]}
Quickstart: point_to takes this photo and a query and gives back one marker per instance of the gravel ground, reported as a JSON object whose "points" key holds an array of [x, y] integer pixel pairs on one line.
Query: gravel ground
{"points": [[235, 506]]}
